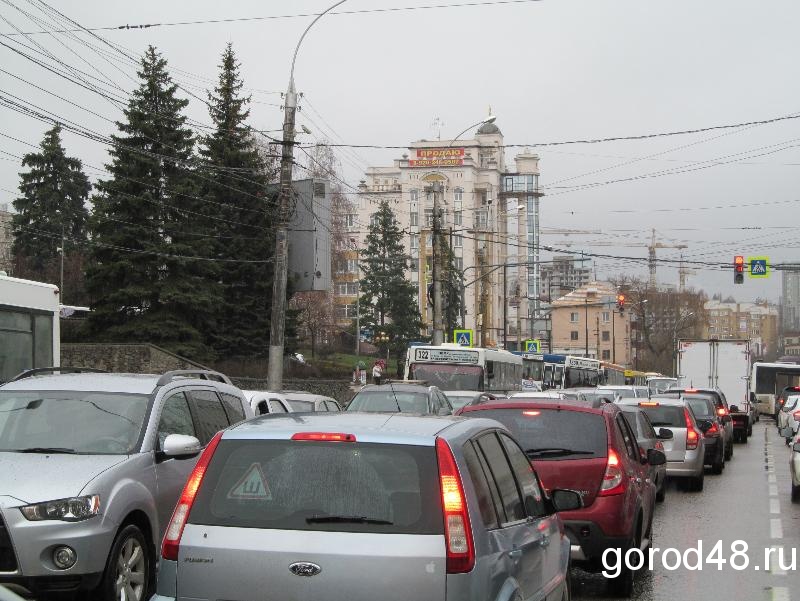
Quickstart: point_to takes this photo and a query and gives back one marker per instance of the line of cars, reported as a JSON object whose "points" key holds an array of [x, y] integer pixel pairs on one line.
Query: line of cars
{"points": [[93, 463]]}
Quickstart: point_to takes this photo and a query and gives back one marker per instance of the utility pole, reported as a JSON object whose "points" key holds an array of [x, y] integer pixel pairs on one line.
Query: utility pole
{"points": [[438, 328], [278, 324], [613, 337], [505, 306], [61, 252], [586, 319], [358, 305]]}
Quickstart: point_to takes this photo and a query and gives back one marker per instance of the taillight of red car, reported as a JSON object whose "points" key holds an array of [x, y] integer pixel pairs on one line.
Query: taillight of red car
{"points": [[614, 477]]}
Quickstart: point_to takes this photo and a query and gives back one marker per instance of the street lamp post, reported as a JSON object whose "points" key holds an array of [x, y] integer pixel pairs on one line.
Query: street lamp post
{"points": [[278, 324]]}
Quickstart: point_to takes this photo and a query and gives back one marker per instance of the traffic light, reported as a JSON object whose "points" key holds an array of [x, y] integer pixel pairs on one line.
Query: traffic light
{"points": [[621, 303], [738, 269]]}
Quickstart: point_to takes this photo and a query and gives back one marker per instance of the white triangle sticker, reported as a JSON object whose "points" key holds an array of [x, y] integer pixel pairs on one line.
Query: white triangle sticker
{"points": [[253, 485]]}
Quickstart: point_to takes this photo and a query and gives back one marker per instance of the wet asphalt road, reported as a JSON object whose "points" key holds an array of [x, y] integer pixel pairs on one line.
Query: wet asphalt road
{"points": [[749, 501]]}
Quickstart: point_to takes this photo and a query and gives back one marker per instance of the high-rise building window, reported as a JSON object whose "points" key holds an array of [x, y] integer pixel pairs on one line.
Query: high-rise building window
{"points": [[606, 355], [573, 335], [574, 317], [458, 194], [413, 195], [458, 241]]}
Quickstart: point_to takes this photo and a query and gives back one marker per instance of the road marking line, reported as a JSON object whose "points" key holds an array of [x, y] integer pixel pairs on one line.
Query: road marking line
{"points": [[780, 593], [771, 478], [775, 565], [774, 506], [775, 528], [773, 490]]}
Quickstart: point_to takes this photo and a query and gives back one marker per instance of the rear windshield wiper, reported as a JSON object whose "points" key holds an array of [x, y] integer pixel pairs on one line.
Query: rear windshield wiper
{"points": [[54, 450], [556, 451], [346, 519]]}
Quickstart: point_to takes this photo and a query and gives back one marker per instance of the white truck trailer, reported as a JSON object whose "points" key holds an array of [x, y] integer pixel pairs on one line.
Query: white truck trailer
{"points": [[722, 364]]}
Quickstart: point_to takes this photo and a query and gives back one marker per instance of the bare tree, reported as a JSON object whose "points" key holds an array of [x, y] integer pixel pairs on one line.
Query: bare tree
{"points": [[314, 316]]}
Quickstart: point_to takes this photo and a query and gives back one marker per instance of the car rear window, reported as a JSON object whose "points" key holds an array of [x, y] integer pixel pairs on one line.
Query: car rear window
{"points": [[295, 485], [701, 406], [547, 434], [300, 406], [666, 415], [386, 400]]}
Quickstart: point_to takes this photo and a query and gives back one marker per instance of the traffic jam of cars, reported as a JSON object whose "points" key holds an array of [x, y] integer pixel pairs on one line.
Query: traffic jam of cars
{"points": [[457, 482]]}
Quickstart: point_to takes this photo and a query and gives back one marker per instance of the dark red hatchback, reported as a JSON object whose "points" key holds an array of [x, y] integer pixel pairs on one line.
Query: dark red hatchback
{"points": [[589, 448]]}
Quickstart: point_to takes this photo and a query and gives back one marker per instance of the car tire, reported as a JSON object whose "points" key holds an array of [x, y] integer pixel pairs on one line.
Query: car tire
{"points": [[131, 550], [661, 493], [567, 594], [695, 484], [622, 585], [719, 464], [795, 493], [729, 449]]}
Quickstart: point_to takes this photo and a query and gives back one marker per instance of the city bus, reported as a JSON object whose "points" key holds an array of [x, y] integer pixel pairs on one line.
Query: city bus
{"points": [[454, 367], [635, 378], [29, 327], [612, 374], [532, 370], [767, 380], [567, 371]]}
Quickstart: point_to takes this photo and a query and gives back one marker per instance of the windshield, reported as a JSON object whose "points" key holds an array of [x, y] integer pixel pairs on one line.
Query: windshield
{"points": [[388, 401], [702, 407], [547, 434], [91, 423], [771, 380], [532, 370], [625, 393], [448, 377], [658, 385]]}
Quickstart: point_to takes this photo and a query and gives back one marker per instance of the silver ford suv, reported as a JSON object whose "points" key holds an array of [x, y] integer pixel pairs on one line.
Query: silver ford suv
{"points": [[365, 506], [91, 467]]}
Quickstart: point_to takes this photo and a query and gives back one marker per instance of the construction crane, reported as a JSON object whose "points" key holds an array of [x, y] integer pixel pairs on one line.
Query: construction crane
{"points": [[683, 271], [651, 250]]}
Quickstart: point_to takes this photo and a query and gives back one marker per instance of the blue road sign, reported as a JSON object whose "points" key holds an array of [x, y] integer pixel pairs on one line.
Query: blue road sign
{"points": [[463, 337], [533, 346]]}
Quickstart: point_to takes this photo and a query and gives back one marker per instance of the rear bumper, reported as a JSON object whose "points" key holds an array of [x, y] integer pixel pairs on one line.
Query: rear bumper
{"points": [[588, 542], [713, 446], [691, 466]]}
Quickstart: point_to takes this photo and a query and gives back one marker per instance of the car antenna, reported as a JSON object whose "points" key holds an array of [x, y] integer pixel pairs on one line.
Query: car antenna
{"points": [[396, 402]]}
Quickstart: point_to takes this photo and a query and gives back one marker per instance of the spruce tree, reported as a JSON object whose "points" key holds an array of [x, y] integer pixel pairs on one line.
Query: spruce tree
{"points": [[147, 278], [452, 280], [54, 192], [236, 189], [388, 300]]}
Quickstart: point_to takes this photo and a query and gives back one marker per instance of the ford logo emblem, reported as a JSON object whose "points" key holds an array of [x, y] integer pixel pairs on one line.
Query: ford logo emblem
{"points": [[304, 568]]}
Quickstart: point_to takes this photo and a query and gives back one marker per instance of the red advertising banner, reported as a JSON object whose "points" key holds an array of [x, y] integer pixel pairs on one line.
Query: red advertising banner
{"points": [[438, 157]]}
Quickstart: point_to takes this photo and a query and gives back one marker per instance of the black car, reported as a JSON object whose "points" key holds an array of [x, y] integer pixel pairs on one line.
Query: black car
{"points": [[737, 429], [401, 398]]}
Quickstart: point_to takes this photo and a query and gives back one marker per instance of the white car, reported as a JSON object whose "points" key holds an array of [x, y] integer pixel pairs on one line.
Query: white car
{"points": [[265, 402], [789, 418], [794, 468], [545, 394]]}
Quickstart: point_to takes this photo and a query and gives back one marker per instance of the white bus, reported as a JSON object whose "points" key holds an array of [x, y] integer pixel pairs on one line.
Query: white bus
{"points": [[454, 367], [29, 332], [767, 380]]}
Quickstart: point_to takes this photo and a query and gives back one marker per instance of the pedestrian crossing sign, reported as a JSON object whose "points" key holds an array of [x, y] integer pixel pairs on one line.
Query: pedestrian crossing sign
{"points": [[533, 346], [759, 267], [463, 337]]}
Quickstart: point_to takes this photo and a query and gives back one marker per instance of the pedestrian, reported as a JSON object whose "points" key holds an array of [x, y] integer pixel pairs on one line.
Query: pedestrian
{"points": [[377, 372]]}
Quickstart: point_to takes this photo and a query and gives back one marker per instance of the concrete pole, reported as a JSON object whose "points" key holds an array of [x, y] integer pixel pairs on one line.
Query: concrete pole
{"points": [[438, 327]]}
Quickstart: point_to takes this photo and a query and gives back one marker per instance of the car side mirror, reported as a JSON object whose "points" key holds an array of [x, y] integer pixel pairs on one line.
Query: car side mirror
{"points": [[665, 434], [180, 446], [734, 408], [796, 447], [444, 411], [656, 457], [566, 500]]}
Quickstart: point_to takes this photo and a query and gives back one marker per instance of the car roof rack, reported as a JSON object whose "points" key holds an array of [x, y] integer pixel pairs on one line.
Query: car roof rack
{"points": [[60, 369], [200, 374]]}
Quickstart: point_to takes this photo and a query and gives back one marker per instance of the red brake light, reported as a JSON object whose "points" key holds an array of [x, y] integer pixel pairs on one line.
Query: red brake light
{"points": [[613, 480], [796, 415], [713, 431], [690, 390], [325, 436], [648, 404], [458, 532], [692, 436], [722, 411], [172, 539], [532, 413], [795, 388]]}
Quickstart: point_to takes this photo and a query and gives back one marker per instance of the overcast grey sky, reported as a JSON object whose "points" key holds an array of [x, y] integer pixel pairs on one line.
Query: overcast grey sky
{"points": [[551, 70]]}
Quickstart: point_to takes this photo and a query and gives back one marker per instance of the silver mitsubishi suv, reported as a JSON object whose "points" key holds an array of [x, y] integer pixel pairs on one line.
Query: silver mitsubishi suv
{"points": [[363, 506], [91, 466]]}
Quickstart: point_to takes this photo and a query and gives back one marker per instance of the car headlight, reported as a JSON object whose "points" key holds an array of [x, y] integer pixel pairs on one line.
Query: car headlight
{"points": [[74, 509]]}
